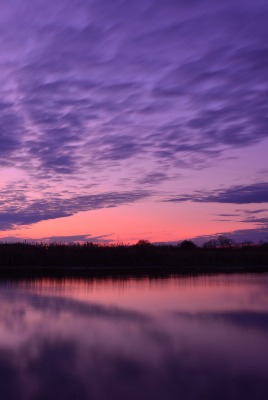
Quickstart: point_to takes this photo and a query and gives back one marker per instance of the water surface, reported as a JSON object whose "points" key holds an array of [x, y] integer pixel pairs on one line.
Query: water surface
{"points": [[175, 338]]}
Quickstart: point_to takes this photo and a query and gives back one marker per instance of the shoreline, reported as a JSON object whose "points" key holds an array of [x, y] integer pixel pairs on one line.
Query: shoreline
{"points": [[20, 273]]}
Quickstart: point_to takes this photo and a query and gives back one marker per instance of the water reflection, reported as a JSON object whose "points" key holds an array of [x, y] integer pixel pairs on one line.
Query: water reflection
{"points": [[188, 338]]}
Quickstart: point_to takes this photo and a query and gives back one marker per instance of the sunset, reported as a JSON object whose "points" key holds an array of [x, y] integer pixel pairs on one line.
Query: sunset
{"points": [[126, 120], [134, 200]]}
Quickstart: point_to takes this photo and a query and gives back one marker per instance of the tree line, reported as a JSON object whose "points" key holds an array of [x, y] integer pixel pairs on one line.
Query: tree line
{"points": [[220, 253]]}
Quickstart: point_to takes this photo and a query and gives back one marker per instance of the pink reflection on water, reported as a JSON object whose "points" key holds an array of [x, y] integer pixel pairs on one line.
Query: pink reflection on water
{"points": [[193, 294], [151, 336]]}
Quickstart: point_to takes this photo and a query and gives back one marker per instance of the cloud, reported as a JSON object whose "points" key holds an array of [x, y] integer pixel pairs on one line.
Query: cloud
{"points": [[256, 235], [251, 320], [64, 351], [240, 194], [60, 305], [60, 239], [153, 178], [258, 216], [79, 238], [89, 90], [261, 221], [227, 215], [73, 105], [252, 212], [36, 210]]}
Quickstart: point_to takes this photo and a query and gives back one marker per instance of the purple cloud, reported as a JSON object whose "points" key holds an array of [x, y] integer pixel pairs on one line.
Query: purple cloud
{"points": [[254, 193], [255, 235], [31, 210], [89, 90], [60, 239], [74, 102]]}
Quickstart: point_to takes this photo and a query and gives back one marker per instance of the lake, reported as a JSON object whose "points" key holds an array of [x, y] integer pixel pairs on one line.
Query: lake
{"points": [[203, 337]]}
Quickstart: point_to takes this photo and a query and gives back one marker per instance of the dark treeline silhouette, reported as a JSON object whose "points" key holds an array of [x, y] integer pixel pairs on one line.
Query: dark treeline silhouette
{"points": [[213, 256]]}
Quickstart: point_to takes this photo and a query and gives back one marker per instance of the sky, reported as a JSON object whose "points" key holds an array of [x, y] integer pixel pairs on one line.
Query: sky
{"points": [[125, 120]]}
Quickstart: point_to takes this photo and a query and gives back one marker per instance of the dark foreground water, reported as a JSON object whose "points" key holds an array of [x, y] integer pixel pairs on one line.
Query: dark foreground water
{"points": [[176, 338]]}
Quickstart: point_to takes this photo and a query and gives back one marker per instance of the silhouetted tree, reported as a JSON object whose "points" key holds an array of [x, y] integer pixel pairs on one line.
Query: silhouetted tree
{"points": [[143, 243], [220, 242], [210, 244], [224, 241], [247, 243], [90, 244], [187, 245]]}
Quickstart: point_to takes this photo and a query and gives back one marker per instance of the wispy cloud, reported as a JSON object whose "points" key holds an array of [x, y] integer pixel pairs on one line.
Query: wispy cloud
{"points": [[32, 211], [89, 90], [102, 239], [71, 105], [240, 194], [240, 235]]}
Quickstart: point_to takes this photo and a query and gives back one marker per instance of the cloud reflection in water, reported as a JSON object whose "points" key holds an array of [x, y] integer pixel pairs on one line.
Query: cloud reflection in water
{"points": [[58, 347]]}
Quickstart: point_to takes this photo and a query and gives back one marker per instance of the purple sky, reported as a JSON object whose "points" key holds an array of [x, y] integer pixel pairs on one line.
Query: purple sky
{"points": [[123, 120]]}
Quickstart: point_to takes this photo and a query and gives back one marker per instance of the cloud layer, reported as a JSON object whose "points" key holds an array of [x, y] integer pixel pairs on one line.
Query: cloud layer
{"points": [[32, 211], [247, 194], [85, 86], [122, 95]]}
